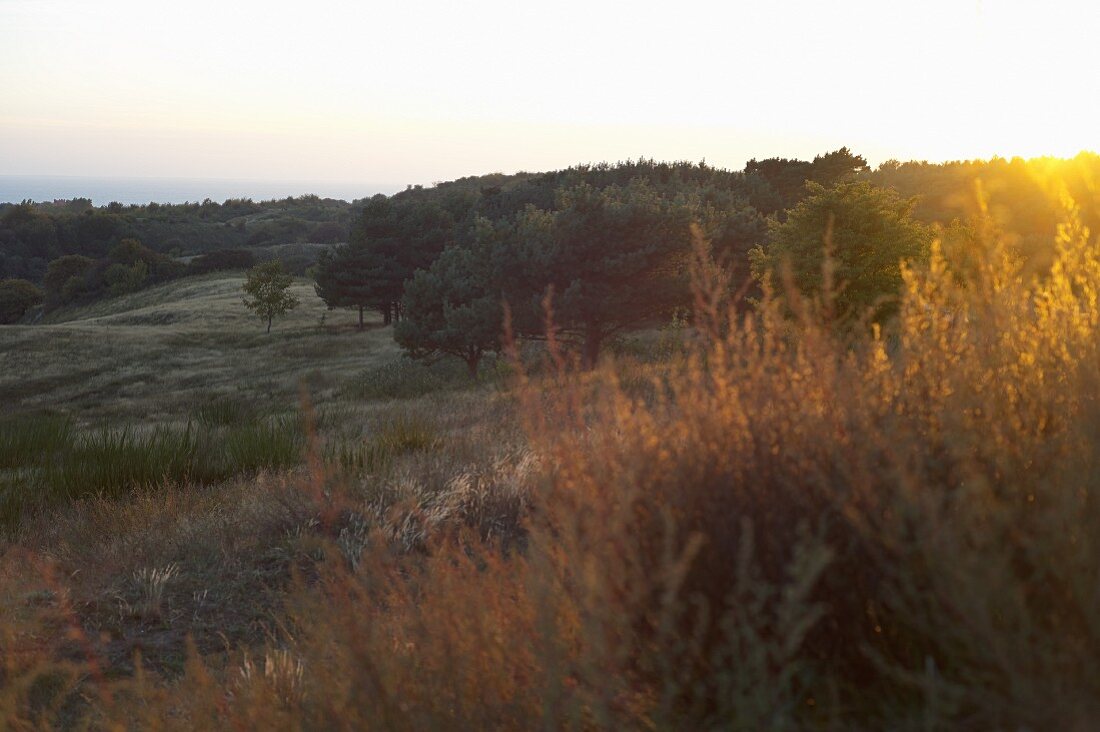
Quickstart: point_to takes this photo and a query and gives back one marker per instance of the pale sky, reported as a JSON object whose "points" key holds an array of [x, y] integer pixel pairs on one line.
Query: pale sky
{"points": [[414, 91]]}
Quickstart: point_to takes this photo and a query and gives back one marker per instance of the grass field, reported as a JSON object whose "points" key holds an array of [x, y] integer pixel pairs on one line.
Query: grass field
{"points": [[156, 355]]}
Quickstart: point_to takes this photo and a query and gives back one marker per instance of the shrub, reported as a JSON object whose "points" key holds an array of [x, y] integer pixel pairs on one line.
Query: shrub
{"points": [[16, 298], [896, 529], [121, 279], [64, 279]]}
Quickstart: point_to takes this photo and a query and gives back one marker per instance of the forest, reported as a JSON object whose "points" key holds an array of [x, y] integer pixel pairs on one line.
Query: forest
{"points": [[81, 240]]}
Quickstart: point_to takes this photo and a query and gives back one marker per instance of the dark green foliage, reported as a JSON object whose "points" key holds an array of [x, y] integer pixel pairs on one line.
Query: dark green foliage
{"points": [[120, 278], [836, 167], [613, 258], [784, 180], [65, 277], [454, 307], [392, 239], [135, 256], [32, 234], [347, 277], [226, 259], [264, 444], [329, 232], [127, 267], [732, 228], [16, 298], [225, 411], [868, 231], [30, 435]]}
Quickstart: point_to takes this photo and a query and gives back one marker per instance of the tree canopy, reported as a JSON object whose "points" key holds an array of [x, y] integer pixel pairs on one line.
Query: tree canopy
{"points": [[454, 306], [16, 298], [611, 258], [867, 231], [266, 291], [391, 240], [346, 277]]}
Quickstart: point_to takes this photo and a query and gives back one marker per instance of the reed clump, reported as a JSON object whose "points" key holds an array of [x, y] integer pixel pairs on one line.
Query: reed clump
{"points": [[49, 462]]}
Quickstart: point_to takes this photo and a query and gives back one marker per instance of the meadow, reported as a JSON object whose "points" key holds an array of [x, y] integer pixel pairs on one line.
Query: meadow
{"points": [[764, 520]]}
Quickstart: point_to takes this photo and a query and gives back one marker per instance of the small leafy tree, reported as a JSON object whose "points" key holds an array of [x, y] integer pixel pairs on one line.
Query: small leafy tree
{"points": [[266, 290], [869, 232], [16, 297], [452, 308]]}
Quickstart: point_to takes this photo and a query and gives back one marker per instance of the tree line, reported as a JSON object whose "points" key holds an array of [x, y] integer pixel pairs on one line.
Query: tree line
{"points": [[608, 247], [518, 236], [34, 234], [69, 252]]}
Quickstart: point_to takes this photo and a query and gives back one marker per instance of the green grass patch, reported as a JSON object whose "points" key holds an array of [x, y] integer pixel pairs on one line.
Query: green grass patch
{"points": [[225, 411], [405, 378], [29, 435], [47, 462]]}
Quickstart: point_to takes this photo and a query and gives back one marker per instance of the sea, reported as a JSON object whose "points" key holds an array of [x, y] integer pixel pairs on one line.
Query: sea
{"points": [[16, 188]]}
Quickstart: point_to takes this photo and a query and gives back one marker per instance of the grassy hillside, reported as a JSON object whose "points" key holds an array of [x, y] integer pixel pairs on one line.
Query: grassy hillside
{"points": [[202, 552], [156, 354]]}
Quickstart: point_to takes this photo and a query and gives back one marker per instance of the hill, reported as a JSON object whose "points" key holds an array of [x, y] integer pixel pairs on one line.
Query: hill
{"points": [[154, 355]]}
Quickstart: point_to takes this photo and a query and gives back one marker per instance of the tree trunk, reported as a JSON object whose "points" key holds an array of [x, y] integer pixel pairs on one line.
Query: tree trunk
{"points": [[360, 317], [593, 337], [472, 362], [269, 323], [387, 316]]}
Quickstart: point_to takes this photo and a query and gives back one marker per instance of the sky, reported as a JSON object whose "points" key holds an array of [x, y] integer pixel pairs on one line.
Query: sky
{"points": [[414, 91]]}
